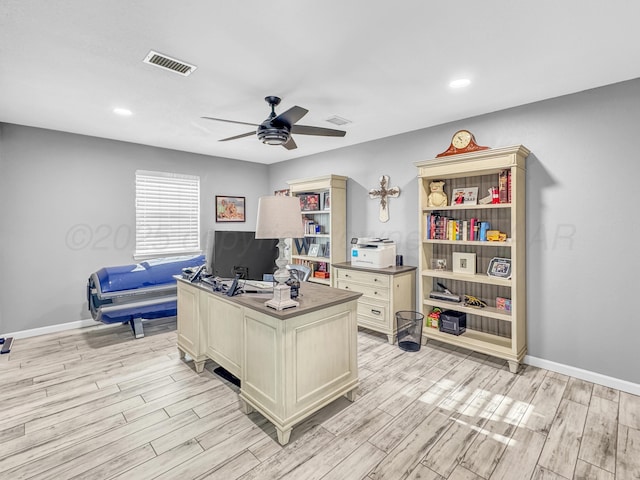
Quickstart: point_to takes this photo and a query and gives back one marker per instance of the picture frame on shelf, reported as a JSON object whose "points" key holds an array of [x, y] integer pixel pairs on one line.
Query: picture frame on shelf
{"points": [[230, 209], [439, 264], [309, 202], [282, 193], [464, 196], [314, 250], [499, 267], [326, 201], [327, 250], [464, 263]]}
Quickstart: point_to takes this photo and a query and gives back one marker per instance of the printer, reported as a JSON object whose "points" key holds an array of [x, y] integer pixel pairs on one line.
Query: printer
{"points": [[373, 253]]}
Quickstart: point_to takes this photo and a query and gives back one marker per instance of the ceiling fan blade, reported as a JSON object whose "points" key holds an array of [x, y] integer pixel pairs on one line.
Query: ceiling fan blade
{"points": [[290, 144], [237, 136], [230, 121], [291, 116], [325, 132]]}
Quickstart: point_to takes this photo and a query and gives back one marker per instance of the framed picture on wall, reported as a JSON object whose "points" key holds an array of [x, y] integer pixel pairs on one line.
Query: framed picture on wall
{"points": [[281, 193], [230, 209]]}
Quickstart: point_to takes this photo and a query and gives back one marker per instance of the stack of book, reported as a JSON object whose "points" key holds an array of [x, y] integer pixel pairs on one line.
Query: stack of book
{"points": [[443, 227]]}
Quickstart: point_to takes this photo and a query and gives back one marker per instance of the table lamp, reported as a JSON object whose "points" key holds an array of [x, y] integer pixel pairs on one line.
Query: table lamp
{"points": [[280, 217]]}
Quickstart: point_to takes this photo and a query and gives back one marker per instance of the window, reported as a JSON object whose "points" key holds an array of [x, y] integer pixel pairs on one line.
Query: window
{"points": [[167, 214]]}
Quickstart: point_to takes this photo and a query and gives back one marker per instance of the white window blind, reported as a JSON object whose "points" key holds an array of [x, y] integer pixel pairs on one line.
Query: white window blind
{"points": [[167, 214]]}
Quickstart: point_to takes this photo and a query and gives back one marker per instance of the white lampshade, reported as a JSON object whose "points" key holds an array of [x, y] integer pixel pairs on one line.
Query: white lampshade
{"points": [[279, 217]]}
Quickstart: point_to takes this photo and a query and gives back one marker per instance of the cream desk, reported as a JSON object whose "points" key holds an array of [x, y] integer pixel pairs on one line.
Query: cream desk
{"points": [[384, 292], [290, 363]]}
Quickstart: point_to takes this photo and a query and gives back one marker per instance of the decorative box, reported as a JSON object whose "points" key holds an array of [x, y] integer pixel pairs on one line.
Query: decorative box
{"points": [[321, 274], [503, 303]]}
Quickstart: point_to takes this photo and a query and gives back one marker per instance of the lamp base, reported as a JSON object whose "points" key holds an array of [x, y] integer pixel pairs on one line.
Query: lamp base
{"points": [[281, 298]]}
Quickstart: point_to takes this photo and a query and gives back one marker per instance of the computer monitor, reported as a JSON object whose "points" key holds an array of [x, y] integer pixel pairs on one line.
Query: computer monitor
{"points": [[231, 253]]}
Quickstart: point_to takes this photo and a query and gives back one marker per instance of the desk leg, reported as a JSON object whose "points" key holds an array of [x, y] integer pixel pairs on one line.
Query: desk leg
{"points": [[351, 395], [391, 339], [283, 436], [245, 407], [199, 366]]}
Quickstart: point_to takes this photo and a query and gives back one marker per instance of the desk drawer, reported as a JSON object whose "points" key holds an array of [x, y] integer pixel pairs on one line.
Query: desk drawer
{"points": [[373, 279], [379, 293], [370, 314]]}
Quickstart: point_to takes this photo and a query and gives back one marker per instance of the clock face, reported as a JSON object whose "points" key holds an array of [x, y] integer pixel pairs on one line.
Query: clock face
{"points": [[461, 139]]}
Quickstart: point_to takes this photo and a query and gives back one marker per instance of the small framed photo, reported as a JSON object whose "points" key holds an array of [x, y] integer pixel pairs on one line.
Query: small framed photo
{"points": [[309, 202], [464, 263], [314, 250], [438, 264], [464, 196], [326, 201], [230, 209], [281, 193], [499, 267]]}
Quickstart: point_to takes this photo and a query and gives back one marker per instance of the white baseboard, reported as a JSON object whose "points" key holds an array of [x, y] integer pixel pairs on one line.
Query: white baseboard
{"points": [[586, 375], [34, 332]]}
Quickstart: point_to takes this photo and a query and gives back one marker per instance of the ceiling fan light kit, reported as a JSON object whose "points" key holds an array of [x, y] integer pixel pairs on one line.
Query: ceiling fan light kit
{"points": [[277, 129]]}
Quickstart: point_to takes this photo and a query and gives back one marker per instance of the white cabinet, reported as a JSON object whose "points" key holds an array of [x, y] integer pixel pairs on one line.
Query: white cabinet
{"points": [[326, 221], [191, 334], [490, 330], [385, 291]]}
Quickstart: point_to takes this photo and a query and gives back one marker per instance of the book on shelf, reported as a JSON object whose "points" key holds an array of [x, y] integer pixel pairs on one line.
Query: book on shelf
{"points": [[502, 186], [442, 227]]}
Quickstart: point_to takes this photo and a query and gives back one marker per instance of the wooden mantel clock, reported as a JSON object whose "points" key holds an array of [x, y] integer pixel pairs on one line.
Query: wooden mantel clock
{"points": [[462, 142]]}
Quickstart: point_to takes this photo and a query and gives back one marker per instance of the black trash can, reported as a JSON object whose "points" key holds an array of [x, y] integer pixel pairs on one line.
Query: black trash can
{"points": [[409, 330]]}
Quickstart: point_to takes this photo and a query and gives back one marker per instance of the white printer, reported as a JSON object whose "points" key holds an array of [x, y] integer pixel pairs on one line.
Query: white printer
{"points": [[373, 253]]}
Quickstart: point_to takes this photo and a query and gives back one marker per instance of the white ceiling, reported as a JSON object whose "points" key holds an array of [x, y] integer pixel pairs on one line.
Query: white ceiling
{"points": [[65, 64]]}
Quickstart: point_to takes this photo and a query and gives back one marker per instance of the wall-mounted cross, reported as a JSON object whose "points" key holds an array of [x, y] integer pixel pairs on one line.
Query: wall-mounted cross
{"points": [[383, 193]]}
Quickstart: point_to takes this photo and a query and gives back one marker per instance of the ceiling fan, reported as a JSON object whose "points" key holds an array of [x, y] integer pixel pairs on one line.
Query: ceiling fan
{"points": [[277, 129]]}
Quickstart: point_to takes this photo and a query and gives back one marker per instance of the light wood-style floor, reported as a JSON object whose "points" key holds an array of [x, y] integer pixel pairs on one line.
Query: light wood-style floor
{"points": [[95, 403]]}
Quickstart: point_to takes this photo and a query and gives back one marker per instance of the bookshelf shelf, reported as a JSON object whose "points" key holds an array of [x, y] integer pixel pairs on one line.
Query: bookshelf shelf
{"points": [[490, 330]]}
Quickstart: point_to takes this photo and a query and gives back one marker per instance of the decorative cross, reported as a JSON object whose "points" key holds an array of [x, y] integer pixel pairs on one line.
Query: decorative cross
{"points": [[383, 193]]}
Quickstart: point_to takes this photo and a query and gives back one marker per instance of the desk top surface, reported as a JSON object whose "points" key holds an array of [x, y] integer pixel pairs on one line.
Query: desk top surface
{"points": [[312, 297]]}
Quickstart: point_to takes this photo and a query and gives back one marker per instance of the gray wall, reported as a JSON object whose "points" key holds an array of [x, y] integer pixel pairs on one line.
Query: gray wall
{"points": [[581, 227], [582, 234], [67, 209]]}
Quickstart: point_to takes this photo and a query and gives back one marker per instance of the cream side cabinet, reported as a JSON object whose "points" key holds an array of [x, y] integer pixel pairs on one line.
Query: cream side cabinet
{"points": [[384, 291], [331, 220], [489, 330], [192, 335]]}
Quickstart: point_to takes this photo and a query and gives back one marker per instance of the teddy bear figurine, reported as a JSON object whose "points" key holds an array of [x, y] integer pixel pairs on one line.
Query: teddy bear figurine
{"points": [[437, 197]]}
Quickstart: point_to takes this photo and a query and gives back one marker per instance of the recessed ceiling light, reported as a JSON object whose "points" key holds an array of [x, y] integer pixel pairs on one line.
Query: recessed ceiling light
{"points": [[460, 83], [125, 112]]}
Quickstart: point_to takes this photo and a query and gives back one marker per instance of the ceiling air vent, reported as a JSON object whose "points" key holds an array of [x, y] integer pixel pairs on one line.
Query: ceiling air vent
{"points": [[336, 120], [168, 63]]}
